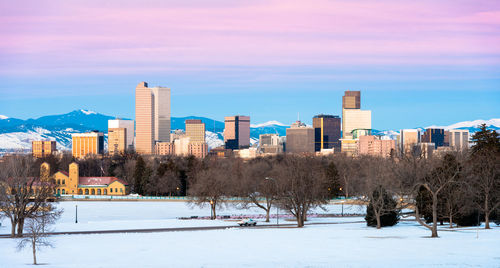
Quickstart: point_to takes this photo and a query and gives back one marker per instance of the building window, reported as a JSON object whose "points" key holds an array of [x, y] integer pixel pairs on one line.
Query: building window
{"points": [[110, 190], [86, 191], [58, 191], [63, 191], [58, 182], [121, 190], [80, 191], [93, 191], [64, 181], [98, 191], [105, 192], [116, 190]]}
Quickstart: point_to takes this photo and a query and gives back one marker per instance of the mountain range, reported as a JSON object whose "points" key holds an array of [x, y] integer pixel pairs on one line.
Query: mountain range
{"points": [[17, 134]]}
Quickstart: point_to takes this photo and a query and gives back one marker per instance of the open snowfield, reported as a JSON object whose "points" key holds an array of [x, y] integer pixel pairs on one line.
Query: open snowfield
{"points": [[105, 215], [333, 245]]}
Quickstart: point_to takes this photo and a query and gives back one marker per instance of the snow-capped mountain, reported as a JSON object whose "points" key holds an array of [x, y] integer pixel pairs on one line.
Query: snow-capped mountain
{"points": [[17, 134]]}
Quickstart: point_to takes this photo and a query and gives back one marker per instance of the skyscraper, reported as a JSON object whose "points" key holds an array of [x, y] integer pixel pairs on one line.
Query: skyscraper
{"points": [[144, 128], [351, 100], [161, 113], [237, 132], [152, 113], [326, 132], [43, 148]]}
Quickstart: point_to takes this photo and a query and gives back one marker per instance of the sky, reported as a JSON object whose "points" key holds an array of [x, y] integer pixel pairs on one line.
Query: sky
{"points": [[416, 63]]}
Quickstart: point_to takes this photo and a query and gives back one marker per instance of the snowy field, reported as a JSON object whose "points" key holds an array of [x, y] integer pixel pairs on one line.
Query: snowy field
{"points": [[333, 245], [105, 215]]}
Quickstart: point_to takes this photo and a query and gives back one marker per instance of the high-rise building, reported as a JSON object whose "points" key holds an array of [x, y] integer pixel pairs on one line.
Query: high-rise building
{"points": [[181, 146], [326, 132], [237, 132], [144, 128], [351, 100], [43, 148], [152, 114], [128, 125], [356, 120], [459, 139], [195, 130], [408, 139], [117, 140], [434, 135], [161, 113], [299, 138], [91, 143], [374, 146]]}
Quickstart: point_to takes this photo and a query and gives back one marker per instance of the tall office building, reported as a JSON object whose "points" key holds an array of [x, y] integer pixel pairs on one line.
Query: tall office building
{"points": [[152, 116], [408, 139], [43, 148], [117, 140], [459, 139], [326, 132], [161, 113], [356, 119], [126, 124], [299, 138], [351, 100], [88, 143], [237, 132], [434, 135], [195, 130]]}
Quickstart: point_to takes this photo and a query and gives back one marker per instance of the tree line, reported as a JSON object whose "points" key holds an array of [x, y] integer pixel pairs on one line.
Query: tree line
{"points": [[459, 188]]}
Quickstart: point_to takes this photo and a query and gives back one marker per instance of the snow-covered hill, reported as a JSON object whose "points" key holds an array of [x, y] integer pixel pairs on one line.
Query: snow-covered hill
{"points": [[17, 134]]}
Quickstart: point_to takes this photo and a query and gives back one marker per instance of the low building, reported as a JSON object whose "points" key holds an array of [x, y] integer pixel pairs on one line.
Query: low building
{"points": [[270, 144], [164, 148], [72, 184], [374, 146], [43, 148], [198, 149], [349, 146], [247, 153], [220, 152], [91, 143]]}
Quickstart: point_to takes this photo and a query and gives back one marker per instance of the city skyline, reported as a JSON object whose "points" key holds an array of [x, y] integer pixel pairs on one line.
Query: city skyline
{"points": [[416, 57]]}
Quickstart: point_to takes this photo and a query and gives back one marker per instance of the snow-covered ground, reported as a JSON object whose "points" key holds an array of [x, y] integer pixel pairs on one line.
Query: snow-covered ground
{"points": [[340, 245], [333, 245], [118, 215]]}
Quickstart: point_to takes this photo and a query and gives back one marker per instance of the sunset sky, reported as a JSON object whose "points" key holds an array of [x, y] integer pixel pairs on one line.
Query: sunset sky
{"points": [[417, 63]]}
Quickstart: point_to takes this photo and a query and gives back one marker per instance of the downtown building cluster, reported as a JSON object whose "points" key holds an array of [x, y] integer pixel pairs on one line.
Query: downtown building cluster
{"points": [[350, 134]]}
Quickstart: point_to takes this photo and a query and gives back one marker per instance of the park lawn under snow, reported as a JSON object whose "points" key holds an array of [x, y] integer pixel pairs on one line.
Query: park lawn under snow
{"points": [[119, 215], [338, 245]]}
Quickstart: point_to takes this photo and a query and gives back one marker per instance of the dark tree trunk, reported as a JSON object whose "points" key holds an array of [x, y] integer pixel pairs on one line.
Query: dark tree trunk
{"points": [[434, 215], [20, 227]]}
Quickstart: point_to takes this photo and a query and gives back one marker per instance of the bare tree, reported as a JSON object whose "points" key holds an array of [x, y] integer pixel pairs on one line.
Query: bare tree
{"points": [[210, 184], [444, 173], [302, 185], [38, 227], [484, 172], [21, 195], [256, 185]]}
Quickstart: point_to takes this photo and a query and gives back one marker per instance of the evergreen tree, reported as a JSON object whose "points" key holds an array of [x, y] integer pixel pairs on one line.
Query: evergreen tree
{"points": [[139, 172], [485, 140], [390, 215], [333, 180]]}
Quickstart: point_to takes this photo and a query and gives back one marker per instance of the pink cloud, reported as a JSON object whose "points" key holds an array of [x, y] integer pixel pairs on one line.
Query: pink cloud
{"points": [[92, 35]]}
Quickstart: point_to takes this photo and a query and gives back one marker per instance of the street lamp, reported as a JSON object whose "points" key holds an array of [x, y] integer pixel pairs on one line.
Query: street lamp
{"points": [[76, 213], [211, 210], [277, 207]]}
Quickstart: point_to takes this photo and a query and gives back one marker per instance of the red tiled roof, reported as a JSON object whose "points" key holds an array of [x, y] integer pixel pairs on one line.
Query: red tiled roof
{"points": [[99, 181]]}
